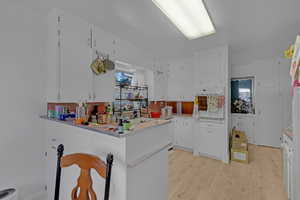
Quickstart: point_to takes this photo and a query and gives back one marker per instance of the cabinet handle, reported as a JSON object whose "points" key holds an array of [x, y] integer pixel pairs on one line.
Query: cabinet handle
{"points": [[53, 147], [53, 140]]}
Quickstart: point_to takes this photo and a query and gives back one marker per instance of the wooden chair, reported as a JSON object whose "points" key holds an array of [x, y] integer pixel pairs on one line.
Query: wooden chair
{"points": [[85, 162]]}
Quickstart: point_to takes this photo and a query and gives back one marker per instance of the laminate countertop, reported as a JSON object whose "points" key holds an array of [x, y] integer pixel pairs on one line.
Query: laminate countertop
{"points": [[103, 129]]}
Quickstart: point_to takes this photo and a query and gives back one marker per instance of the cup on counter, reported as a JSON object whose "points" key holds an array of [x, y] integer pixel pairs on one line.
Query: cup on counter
{"points": [[51, 114], [58, 111], [127, 125]]}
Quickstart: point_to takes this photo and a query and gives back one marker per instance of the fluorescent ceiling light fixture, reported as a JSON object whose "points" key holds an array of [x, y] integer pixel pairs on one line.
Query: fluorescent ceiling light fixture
{"points": [[190, 16]]}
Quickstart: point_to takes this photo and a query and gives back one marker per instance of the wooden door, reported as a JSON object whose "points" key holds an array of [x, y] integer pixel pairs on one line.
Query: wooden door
{"points": [[268, 129]]}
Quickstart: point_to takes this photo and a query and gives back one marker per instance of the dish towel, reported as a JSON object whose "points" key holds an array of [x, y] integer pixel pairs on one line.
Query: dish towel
{"points": [[203, 103], [221, 101], [196, 108], [213, 104]]}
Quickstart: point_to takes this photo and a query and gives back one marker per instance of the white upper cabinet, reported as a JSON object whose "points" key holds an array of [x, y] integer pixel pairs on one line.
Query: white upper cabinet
{"points": [[103, 84], [76, 82], [157, 81], [174, 83], [150, 83], [180, 81], [210, 69], [160, 85], [52, 59]]}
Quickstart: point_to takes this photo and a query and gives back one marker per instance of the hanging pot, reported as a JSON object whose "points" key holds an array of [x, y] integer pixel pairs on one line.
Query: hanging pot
{"points": [[97, 65], [109, 65]]}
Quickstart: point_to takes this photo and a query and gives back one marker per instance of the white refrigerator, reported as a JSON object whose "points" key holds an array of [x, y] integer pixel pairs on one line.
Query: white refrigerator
{"points": [[296, 130]]}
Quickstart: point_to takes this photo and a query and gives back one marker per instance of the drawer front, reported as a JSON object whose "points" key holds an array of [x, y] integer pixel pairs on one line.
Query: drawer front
{"points": [[210, 141]]}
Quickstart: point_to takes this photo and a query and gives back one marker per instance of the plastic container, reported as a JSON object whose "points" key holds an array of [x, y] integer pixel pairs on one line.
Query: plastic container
{"points": [[155, 114]]}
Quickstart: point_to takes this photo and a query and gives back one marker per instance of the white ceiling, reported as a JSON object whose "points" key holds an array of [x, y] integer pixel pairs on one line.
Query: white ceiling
{"points": [[252, 28]]}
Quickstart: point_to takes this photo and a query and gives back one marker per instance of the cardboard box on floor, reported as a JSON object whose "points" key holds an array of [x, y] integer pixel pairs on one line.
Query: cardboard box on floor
{"points": [[239, 140], [240, 155], [239, 147]]}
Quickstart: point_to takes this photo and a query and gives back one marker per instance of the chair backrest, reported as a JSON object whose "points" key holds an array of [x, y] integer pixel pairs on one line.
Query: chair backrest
{"points": [[85, 162]]}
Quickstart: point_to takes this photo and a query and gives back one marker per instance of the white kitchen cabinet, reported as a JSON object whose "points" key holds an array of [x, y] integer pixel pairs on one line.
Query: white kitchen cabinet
{"points": [[76, 75], [74, 142], [52, 73], [103, 87], [157, 81], [68, 74], [160, 85], [210, 140], [183, 133], [150, 83], [180, 81], [210, 69], [103, 84], [176, 82], [174, 87]]}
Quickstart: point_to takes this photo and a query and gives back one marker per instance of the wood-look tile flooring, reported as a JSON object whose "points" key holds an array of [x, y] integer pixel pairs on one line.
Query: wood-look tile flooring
{"points": [[200, 178]]}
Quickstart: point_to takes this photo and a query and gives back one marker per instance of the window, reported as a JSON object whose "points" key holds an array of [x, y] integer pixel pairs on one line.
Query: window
{"points": [[242, 93], [123, 78]]}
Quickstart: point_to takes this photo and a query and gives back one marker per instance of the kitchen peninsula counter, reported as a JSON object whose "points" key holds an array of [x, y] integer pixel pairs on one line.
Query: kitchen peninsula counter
{"points": [[140, 168], [100, 129]]}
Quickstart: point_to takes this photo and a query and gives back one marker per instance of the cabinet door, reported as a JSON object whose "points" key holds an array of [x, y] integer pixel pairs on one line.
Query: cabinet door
{"points": [[104, 87], [178, 127], [210, 141], [209, 69], [103, 84], [185, 138], [160, 86], [189, 133], [52, 56], [175, 87], [52, 142], [76, 58], [187, 82]]}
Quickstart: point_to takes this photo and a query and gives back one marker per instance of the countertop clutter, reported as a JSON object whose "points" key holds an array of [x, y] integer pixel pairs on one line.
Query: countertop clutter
{"points": [[113, 129], [102, 118]]}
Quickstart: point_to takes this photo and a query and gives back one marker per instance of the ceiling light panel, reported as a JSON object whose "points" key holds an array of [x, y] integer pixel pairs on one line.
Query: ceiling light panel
{"points": [[190, 16]]}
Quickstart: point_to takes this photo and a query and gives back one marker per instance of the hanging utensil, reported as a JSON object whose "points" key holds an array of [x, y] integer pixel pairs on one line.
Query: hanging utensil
{"points": [[109, 65]]}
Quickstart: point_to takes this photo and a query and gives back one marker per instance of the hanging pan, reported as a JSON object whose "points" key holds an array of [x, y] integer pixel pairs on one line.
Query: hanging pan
{"points": [[108, 64]]}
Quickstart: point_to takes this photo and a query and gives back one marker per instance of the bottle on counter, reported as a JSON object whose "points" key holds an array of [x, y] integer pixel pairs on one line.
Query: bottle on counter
{"points": [[120, 127], [81, 113], [94, 115]]}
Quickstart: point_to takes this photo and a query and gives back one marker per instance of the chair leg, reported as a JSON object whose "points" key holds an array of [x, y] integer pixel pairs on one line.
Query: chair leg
{"points": [[60, 152], [109, 161]]}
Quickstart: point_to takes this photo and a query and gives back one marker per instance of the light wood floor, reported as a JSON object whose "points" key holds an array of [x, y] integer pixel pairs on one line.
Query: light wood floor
{"points": [[199, 178]]}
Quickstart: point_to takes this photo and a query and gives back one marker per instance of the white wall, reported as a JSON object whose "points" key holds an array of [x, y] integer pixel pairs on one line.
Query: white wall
{"points": [[21, 101], [272, 97]]}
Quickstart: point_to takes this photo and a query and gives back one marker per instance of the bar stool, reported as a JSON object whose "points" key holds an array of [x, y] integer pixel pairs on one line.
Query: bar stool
{"points": [[85, 162]]}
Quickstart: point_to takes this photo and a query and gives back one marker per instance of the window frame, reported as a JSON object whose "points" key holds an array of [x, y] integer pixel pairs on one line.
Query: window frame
{"points": [[253, 94]]}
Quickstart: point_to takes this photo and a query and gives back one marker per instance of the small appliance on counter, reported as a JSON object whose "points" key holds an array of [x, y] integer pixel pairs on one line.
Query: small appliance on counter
{"points": [[166, 112]]}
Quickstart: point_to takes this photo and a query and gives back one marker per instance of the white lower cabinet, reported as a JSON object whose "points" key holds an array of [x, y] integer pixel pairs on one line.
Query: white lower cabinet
{"points": [[183, 132], [73, 143], [210, 140]]}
